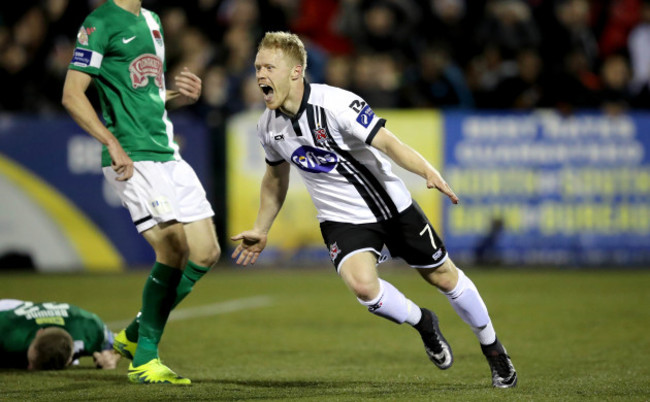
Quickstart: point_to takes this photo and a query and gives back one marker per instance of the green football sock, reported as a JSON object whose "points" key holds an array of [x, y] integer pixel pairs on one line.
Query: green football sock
{"points": [[157, 300], [191, 274], [133, 328]]}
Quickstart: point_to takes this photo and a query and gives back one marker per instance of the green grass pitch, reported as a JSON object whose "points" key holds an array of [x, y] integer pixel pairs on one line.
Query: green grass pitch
{"points": [[292, 334]]}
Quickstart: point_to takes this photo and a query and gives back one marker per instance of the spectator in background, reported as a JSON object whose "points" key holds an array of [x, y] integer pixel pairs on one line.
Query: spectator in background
{"points": [[316, 20], [376, 78], [573, 87], [484, 73], [509, 25], [482, 38], [639, 49], [213, 105], [437, 82], [615, 97], [569, 32], [524, 90], [174, 21], [250, 94], [195, 55], [486, 252], [338, 71], [20, 61], [380, 26], [276, 13], [620, 16], [447, 22], [54, 56]]}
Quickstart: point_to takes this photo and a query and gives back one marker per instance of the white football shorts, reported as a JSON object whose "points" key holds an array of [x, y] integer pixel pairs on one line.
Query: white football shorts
{"points": [[161, 192]]}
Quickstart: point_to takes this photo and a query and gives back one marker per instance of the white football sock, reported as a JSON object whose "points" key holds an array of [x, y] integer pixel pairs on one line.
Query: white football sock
{"points": [[390, 303], [469, 305]]}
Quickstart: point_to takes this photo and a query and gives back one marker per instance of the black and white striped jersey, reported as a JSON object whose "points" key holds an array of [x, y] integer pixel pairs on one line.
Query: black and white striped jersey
{"points": [[328, 141]]}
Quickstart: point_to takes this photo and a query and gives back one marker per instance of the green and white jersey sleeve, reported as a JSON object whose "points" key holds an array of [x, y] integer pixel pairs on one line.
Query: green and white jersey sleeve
{"points": [[125, 55], [19, 325]]}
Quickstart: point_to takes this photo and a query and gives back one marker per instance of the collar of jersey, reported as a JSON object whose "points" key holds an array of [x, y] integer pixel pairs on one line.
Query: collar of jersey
{"points": [[303, 103], [112, 2]]}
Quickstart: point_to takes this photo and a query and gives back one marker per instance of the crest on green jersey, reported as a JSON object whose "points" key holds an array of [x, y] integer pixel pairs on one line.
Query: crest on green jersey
{"points": [[145, 66]]}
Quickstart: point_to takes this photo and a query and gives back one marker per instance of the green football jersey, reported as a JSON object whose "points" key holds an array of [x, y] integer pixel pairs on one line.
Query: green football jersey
{"points": [[19, 325], [125, 55]]}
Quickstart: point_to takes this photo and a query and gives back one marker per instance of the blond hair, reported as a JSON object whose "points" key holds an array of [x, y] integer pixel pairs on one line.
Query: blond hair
{"points": [[290, 45]]}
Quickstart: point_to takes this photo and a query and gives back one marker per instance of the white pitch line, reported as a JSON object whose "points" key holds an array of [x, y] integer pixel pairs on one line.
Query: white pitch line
{"points": [[207, 310]]}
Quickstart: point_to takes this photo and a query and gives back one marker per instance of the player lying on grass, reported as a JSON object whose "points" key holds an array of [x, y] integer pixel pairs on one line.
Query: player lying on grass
{"points": [[52, 336], [339, 147]]}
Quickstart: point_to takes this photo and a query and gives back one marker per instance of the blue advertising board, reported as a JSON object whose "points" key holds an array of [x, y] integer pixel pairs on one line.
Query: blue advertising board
{"points": [[541, 188], [54, 165]]}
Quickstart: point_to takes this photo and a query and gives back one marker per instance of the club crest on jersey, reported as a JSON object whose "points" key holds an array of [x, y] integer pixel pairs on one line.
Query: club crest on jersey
{"points": [[365, 117], [320, 136], [145, 66], [314, 160], [157, 37], [82, 35], [334, 251]]}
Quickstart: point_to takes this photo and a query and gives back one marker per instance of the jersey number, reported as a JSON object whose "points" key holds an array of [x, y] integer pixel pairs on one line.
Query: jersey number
{"points": [[427, 228], [357, 105], [28, 308]]}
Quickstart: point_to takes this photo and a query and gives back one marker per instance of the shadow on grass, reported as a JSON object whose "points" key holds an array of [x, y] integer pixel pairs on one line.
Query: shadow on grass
{"points": [[90, 384], [263, 389]]}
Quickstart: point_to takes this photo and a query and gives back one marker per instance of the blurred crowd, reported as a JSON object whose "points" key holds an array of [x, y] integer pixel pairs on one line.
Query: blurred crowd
{"points": [[469, 54]]}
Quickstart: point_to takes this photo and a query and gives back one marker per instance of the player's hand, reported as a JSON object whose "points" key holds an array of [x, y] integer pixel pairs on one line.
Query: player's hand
{"points": [[121, 163], [189, 86], [106, 359], [250, 248], [435, 180]]}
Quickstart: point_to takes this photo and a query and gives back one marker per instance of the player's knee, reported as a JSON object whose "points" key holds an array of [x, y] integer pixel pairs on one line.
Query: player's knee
{"points": [[210, 256], [444, 277], [364, 289]]}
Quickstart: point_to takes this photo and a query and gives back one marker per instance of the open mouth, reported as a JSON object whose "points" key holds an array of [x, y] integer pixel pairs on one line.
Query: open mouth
{"points": [[268, 92]]}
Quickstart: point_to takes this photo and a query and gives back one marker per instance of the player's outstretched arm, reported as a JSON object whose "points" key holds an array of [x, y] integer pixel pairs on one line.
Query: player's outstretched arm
{"points": [[411, 160], [272, 195]]}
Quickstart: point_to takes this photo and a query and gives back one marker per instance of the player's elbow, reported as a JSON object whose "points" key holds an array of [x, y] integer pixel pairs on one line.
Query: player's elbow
{"points": [[67, 100]]}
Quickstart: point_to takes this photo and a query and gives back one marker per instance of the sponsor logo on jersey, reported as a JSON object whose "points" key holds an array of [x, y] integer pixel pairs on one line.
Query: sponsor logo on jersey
{"points": [[334, 251], [157, 37], [314, 160], [50, 320], [278, 137], [160, 206], [365, 117], [145, 66], [81, 57], [320, 135], [437, 254]]}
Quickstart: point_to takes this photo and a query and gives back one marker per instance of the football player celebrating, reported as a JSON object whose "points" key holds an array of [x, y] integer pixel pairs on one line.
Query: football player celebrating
{"points": [[339, 145]]}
